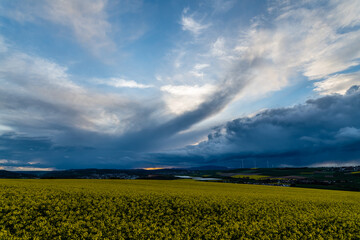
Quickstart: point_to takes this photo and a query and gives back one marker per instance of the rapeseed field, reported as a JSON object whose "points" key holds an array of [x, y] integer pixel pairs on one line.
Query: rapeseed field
{"points": [[177, 209]]}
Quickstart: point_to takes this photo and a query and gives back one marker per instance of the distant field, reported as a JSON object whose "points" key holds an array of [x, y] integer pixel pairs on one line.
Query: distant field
{"points": [[178, 209]]}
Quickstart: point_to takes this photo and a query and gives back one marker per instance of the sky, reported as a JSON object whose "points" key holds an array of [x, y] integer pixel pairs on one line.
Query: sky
{"points": [[140, 84]]}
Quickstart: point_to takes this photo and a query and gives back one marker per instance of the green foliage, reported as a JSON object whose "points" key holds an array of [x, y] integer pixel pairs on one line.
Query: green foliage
{"points": [[179, 209]]}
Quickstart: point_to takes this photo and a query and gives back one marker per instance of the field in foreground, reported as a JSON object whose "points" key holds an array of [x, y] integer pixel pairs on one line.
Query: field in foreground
{"points": [[178, 209]]}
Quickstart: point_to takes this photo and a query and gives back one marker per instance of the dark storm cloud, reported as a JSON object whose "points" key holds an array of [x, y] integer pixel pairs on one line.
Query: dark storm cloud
{"points": [[326, 129]]}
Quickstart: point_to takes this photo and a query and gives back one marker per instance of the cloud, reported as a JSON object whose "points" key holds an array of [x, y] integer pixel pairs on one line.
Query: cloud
{"points": [[222, 6], [122, 83], [337, 164], [349, 132], [42, 92], [293, 41], [300, 38], [158, 135], [198, 70], [86, 20], [16, 165], [201, 66], [42, 152], [327, 36], [338, 83], [323, 129], [188, 23], [183, 98], [6, 161], [28, 169], [3, 45], [345, 13], [218, 47]]}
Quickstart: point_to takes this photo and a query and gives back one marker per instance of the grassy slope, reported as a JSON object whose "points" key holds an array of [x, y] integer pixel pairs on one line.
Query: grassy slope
{"points": [[179, 209]]}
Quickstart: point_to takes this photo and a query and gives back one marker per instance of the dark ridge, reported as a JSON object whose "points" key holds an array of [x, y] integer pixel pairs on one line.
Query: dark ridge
{"points": [[9, 174]]}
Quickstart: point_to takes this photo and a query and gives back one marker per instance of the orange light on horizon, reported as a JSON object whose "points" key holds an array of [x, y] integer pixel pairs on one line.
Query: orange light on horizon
{"points": [[153, 168]]}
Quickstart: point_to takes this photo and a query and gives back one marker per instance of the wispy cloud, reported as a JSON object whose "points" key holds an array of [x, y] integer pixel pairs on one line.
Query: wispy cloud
{"points": [[325, 40], [87, 20], [338, 83], [3, 45], [122, 83], [222, 6], [198, 70], [12, 168], [218, 47], [201, 66], [6, 161], [189, 23]]}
